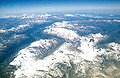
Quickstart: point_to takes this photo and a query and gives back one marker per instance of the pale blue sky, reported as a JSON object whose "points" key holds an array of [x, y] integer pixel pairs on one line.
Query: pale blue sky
{"points": [[26, 6]]}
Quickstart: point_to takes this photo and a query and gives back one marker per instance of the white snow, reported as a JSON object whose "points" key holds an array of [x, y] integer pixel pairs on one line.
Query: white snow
{"points": [[61, 25], [60, 29], [84, 15], [19, 28], [63, 33], [29, 66], [88, 47], [2, 31], [69, 15], [22, 26], [117, 20], [35, 60]]}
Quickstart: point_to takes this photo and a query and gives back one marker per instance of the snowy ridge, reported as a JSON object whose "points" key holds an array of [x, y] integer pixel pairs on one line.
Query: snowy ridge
{"points": [[61, 25], [84, 15], [20, 28], [77, 49], [2, 31], [28, 16], [77, 54], [63, 33], [28, 58], [117, 20], [69, 15], [88, 46], [26, 61], [60, 30]]}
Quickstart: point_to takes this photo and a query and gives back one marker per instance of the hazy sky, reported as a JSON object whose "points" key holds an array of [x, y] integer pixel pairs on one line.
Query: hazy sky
{"points": [[25, 6]]}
